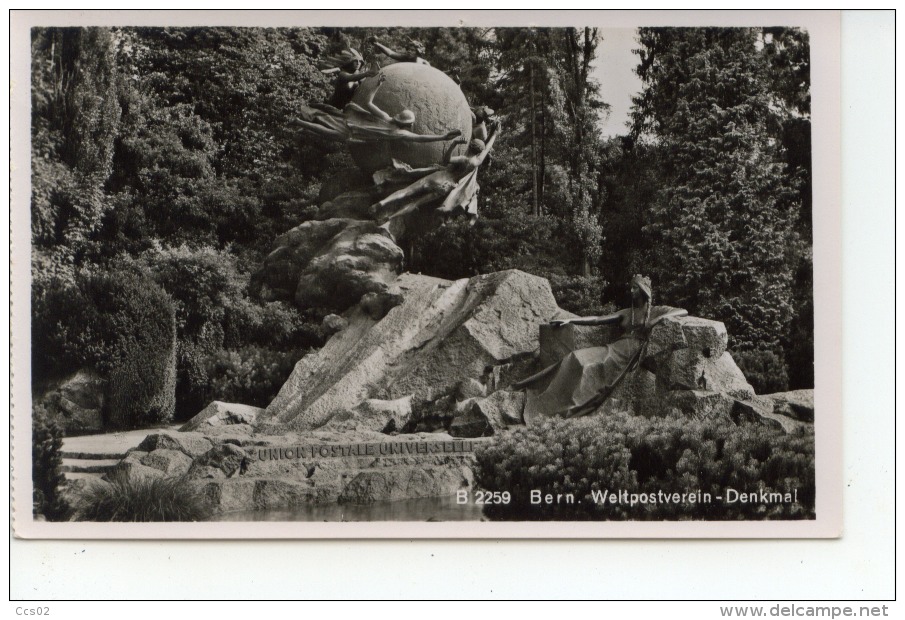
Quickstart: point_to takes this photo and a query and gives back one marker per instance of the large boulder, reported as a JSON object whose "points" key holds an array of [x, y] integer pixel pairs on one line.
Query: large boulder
{"points": [[689, 353], [328, 264], [219, 414], [439, 106], [270, 472], [760, 409], [685, 369], [131, 468], [797, 404], [679, 347], [699, 404], [373, 414], [170, 462], [222, 461], [481, 417], [190, 444], [76, 402], [558, 342], [355, 205], [405, 482], [440, 335], [345, 180]]}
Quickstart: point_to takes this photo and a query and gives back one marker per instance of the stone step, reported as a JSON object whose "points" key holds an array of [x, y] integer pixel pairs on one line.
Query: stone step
{"points": [[92, 455], [88, 466], [81, 475]]}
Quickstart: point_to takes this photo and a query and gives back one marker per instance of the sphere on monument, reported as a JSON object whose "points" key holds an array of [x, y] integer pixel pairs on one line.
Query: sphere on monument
{"points": [[439, 107]]}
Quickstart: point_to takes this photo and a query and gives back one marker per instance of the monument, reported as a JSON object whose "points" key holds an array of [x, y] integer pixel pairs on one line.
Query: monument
{"points": [[420, 371]]}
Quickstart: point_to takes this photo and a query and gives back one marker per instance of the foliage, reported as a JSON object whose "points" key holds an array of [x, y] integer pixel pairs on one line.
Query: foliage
{"points": [[143, 498], [215, 318], [765, 370], [46, 467], [75, 120], [250, 375], [167, 153], [207, 153], [721, 228], [799, 349], [788, 52], [580, 294], [551, 105], [638, 455], [119, 323], [513, 240]]}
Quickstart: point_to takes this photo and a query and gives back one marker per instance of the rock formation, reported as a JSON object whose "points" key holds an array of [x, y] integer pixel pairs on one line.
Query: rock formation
{"points": [[442, 333], [329, 264], [76, 402], [412, 381], [220, 415], [349, 248]]}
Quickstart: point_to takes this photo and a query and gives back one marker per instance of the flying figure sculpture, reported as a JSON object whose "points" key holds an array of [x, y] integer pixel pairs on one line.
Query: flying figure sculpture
{"points": [[347, 65], [414, 50], [455, 183], [367, 123]]}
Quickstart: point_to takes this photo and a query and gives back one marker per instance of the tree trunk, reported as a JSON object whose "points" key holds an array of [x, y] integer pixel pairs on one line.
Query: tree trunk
{"points": [[534, 196], [542, 172]]}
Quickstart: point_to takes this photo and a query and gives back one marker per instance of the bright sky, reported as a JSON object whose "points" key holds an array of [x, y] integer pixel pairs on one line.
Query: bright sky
{"points": [[614, 69]]}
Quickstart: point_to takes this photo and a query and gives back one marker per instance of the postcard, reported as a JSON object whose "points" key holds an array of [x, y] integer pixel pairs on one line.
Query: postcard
{"points": [[301, 275]]}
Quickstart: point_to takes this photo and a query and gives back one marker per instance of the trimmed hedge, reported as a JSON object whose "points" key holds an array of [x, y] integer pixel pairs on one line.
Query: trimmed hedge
{"points": [[123, 325], [589, 457]]}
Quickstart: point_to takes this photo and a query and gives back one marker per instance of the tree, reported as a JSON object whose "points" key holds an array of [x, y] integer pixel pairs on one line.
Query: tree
{"points": [[721, 228], [75, 120], [551, 106], [47, 467]]}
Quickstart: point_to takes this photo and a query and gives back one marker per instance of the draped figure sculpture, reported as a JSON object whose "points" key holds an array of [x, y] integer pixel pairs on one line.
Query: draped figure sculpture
{"points": [[583, 380]]}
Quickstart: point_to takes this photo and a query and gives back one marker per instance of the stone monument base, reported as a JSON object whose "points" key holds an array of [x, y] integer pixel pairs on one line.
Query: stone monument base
{"points": [[244, 471]]}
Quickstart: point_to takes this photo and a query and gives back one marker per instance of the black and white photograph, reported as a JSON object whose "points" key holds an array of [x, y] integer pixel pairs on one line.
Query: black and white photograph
{"points": [[479, 277]]}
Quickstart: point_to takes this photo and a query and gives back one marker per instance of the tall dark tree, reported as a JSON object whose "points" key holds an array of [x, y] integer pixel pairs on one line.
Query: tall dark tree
{"points": [[721, 230], [551, 106], [75, 121], [788, 53]]}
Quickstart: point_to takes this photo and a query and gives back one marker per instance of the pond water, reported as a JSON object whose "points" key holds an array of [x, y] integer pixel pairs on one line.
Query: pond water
{"points": [[421, 509]]}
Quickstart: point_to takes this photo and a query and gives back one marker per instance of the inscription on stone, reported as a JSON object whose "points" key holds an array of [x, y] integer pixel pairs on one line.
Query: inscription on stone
{"points": [[385, 448]]}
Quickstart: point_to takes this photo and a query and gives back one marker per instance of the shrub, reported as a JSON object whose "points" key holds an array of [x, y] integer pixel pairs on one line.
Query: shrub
{"points": [[251, 375], [765, 371], [511, 241], [272, 324], [214, 315], [591, 456], [120, 324], [201, 282], [46, 467], [143, 499], [580, 294]]}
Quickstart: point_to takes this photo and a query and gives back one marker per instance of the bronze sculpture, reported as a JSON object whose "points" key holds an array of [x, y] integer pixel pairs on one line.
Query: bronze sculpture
{"points": [[455, 183], [583, 380], [347, 65], [367, 123], [414, 50]]}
